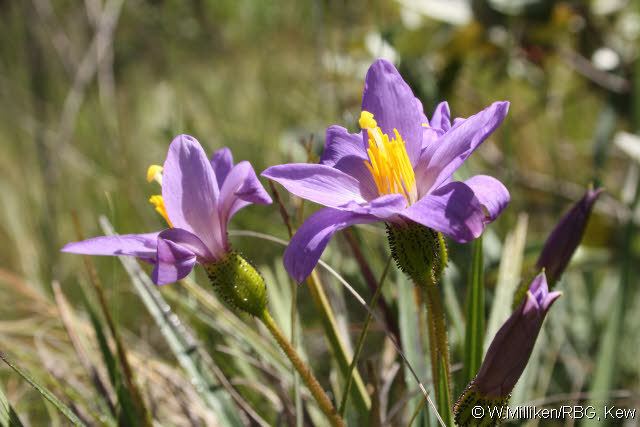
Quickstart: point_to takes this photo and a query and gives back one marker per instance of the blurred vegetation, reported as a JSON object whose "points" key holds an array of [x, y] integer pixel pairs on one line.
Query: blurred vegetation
{"points": [[92, 92]]}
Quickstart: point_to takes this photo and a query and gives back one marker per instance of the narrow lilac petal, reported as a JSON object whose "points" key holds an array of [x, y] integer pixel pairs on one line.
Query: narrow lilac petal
{"points": [[430, 136], [318, 183], [458, 121], [549, 299], [222, 162], [174, 262], [340, 143], [539, 285], [441, 118], [190, 191], [393, 105], [190, 242], [445, 156], [383, 207], [355, 167], [453, 209], [241, 188], [138, 245], [531, 306], [346, 152], [306, 246], [491, 193]]}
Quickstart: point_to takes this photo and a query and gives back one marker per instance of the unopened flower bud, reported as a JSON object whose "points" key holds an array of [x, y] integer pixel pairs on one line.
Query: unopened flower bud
{"points": [[565, 237], [419, 252], [238, 283], [506, 357]]}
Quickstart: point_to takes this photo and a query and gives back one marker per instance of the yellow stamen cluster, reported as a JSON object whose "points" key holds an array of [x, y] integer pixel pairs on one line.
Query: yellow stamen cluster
{"points": [[158, 202], [388, 162], [154, 173]]}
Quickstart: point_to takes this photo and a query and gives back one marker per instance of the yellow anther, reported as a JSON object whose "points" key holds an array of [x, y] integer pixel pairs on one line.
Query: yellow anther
{"points": [[154, 173], [389, 162], [158, 202], [367, 121]]}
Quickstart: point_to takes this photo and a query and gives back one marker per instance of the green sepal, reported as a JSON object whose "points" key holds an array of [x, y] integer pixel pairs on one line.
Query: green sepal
{"points": [[238, 283], [494, 409]]}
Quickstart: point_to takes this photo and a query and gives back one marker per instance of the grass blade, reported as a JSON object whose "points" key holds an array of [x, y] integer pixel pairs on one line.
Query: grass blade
{"points": [[44, 392], [68, 320], [508, 278], [474, 331], [361, 338], [8, 416]]}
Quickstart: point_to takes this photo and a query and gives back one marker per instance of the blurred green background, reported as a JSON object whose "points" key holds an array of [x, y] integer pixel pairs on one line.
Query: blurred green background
{"points": [[92, 92]]}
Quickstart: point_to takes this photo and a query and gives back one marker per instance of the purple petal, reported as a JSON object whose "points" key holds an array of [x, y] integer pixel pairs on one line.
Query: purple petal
{"points": [[539, 291], [306, 246], [458, 121], [317, 183], [340, 143], [430, 136], [549, 299], [491, 193], [539, 284], [453, 209], [444, 157], [355, 167], [222, 162], [441, 118], [174, 262], [138, 245], [393, 105], [241, 188], [190, 191], [190, 242], [383, 207]]}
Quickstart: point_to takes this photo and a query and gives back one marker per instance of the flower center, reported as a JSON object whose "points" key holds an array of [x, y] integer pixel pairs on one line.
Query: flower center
{"points": [[154, 173], [389, 162]]}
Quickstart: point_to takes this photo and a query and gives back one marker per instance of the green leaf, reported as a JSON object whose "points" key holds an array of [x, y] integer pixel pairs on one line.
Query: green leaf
{"points": [[64, 409], [8, 417], [474, 331]]}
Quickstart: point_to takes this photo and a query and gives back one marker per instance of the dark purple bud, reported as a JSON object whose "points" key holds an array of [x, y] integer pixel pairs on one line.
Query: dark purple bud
{"points": [[510, 349], [509, 352], [566, 236]]}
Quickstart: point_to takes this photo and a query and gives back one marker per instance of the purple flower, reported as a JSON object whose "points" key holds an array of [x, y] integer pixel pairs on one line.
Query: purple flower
{"points": [[398, 169], [511, 348], [199, 197], [566, 236]]}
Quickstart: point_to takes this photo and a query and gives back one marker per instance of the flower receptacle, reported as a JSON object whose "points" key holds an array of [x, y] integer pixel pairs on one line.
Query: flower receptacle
{"points": [[419, 252], [238, 283], [475, 409]]}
